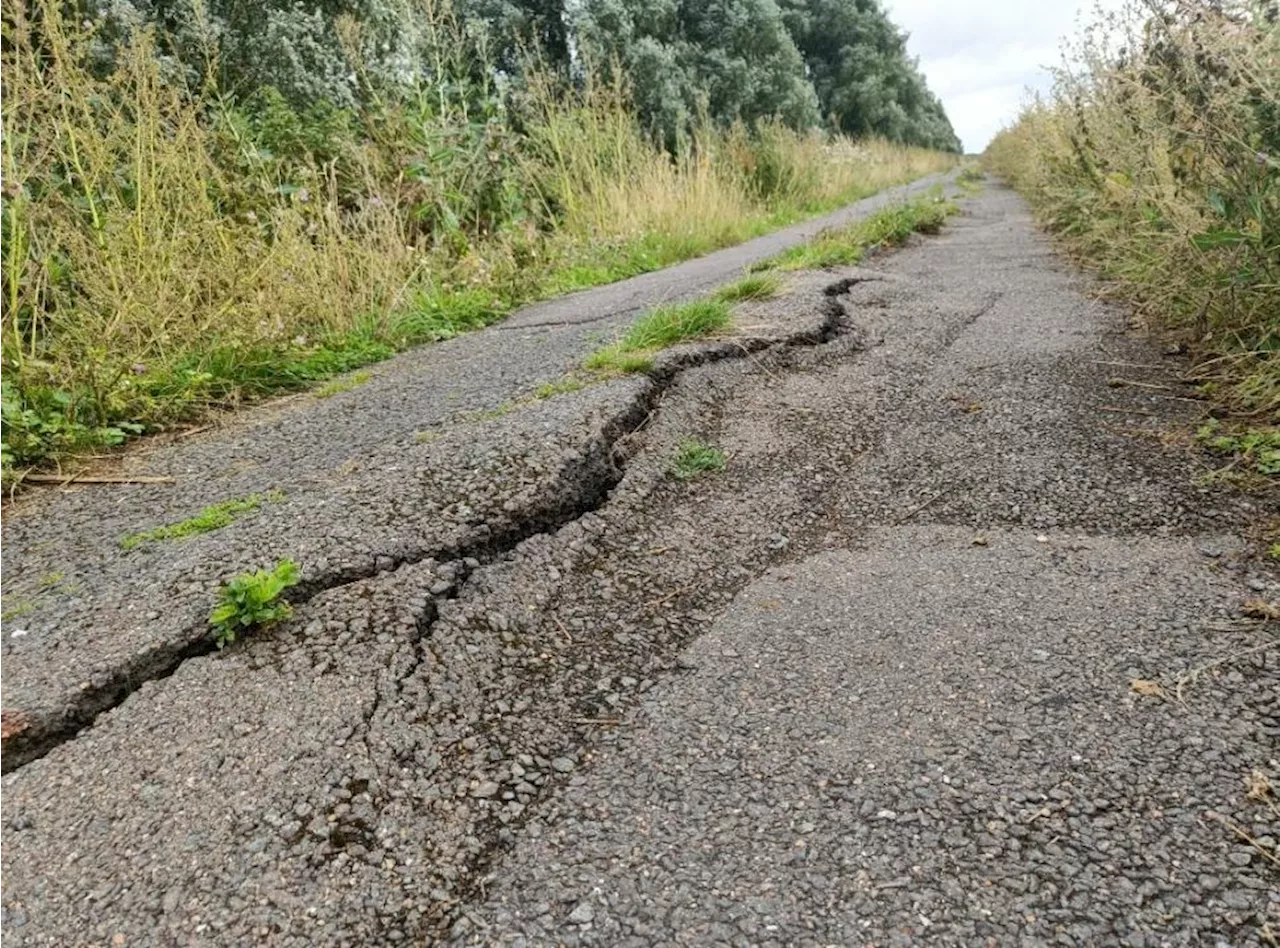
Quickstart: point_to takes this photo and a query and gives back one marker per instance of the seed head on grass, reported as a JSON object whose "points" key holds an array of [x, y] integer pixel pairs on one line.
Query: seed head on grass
{"points": [[696, 458]]}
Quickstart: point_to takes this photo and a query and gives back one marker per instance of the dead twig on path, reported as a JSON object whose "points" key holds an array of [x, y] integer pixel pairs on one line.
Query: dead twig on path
{"points": [[1134, 383], [1116, 409], [1192, 676], [65, 479], [903, 518], [1245, 835]]}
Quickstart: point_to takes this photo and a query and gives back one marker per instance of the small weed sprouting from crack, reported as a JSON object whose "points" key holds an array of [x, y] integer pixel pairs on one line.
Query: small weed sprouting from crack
{"points": [[656, 330], [756, 286], [694, 458], [252, 600], [212, 518]]}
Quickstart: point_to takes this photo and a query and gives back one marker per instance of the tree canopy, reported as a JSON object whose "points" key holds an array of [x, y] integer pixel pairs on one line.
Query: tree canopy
{"points": [[804, 62]]}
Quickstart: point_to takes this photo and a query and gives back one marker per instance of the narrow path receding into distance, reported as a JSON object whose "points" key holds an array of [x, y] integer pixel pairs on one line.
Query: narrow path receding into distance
{"points": [[871, 684]]}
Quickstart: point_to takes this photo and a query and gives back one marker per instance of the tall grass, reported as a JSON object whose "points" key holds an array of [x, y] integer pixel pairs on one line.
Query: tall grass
{"points": [[1157, 159], [167, 249]]}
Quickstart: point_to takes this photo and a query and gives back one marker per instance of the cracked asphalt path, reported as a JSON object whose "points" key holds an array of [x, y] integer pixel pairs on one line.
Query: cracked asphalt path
{"points": [[869, 685]]}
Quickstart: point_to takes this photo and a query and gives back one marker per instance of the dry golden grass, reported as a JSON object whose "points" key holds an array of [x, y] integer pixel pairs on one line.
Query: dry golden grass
{"points": [[154, 264], [1161, 167]]}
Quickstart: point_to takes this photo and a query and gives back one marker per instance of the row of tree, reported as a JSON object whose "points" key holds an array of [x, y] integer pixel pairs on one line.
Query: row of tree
{"points": [[806, 61]]}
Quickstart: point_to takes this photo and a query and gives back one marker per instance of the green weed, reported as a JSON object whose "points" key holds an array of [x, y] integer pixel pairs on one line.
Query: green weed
{"points": [[425, 437], [694, 458], [659, 329], [16, 609], [758, 286], [559, 387], [345, 384], [1274, 552], [251, 600], [1255, 450], [211, 518]]}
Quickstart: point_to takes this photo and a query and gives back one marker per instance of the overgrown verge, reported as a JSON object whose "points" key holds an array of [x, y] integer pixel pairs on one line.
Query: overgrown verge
{"points": [[171, 246], [1157, 160]]}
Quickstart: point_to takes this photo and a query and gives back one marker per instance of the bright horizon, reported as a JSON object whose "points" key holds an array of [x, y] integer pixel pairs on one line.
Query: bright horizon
{"points": [[982, 56]]}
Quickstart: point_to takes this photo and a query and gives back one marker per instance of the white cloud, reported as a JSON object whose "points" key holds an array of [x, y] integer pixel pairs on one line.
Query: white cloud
{"points": [[981, 56]]}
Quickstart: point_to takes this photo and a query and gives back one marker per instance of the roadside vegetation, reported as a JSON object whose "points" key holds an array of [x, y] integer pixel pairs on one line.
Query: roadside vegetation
{"points": [[206, 204], [1156, 160]]}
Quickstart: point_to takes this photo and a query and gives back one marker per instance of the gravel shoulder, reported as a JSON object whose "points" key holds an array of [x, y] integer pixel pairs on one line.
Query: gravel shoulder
{"points": [[869, 684]]}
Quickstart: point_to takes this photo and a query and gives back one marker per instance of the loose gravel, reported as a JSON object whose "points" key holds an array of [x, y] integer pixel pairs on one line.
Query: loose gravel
{"points": [[869, 684]]}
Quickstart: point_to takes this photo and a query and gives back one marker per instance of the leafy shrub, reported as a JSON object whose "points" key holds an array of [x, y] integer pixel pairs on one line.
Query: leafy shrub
{"points": [[252, 600]]}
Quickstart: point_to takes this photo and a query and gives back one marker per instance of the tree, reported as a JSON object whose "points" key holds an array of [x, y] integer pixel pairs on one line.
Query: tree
{"points": [[864, 80], [732, 59]]}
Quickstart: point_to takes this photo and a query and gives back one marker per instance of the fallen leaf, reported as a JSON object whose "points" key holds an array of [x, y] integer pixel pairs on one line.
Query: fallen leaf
{"points": [[980, 540], [1257, 786], [1261, 609], [11, 723], [1148, 689]]}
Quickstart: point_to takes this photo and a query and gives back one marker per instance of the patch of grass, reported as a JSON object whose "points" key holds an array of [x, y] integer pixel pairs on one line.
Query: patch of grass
{"points": [[562, 386], [614, 360], [659, 329], [425, 437], [16, 609], [849, 245], [757, 286], [674, 323], [694, 458], [346, 384], [212, 518], [252, 600], [1274, 552], [970, 180]]}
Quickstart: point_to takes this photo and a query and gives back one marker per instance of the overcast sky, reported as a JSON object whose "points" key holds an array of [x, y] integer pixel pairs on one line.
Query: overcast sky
{"points": [[980, 55]]}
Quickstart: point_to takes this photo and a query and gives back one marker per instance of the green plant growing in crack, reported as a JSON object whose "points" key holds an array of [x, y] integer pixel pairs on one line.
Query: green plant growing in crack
{"points": [[562, 386], [252, 600], [755, 286], [849, 245], [659, 329], [694, 458], [212, 518]]}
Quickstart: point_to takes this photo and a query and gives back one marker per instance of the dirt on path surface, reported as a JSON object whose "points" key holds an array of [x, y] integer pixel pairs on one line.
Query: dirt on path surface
{"points": [[952, 651]]}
